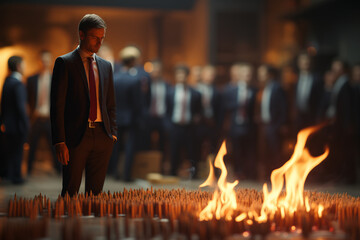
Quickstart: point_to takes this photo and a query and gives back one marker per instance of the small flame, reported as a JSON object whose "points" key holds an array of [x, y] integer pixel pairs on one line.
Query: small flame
{"points": [[320, 210], [241, 217], [223, 203]]}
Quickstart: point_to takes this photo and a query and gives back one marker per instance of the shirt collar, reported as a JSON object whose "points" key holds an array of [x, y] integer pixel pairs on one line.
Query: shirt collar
{"points": [[16, 75]]}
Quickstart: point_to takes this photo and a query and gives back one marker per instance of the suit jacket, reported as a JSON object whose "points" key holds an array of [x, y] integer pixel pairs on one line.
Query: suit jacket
{"points": [[195, 103], [32, 92], [345, 110], [13, 109], [316, 91], [128, 101], [232, 106], [278, 106], [70, 102]]}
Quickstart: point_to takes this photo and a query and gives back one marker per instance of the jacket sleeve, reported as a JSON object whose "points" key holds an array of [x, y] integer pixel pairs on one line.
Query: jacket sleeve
{"points": [[59, 86], [21, 98]]}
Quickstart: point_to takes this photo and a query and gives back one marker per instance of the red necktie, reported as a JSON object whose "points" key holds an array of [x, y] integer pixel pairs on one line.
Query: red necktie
{"points": [[92, 90]]}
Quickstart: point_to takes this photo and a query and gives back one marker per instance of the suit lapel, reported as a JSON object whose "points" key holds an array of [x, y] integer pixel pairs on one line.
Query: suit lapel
{"points": [[79, 65]]}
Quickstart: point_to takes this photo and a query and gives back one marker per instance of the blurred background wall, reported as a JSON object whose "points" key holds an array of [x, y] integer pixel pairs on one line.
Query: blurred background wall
{"points": [[195, 32]]}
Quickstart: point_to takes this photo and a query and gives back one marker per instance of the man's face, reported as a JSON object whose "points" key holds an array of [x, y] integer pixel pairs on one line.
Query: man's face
{"points": [[246, 74], [234, 73], [208, 75], [262, 74], [304, 62], [92, 40], [180, 76], [156, 72], [337, 68], [46, 60], [21, 67]]}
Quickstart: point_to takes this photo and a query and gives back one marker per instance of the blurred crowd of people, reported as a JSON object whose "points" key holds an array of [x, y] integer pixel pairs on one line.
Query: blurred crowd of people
{"points": [[187, 117]]}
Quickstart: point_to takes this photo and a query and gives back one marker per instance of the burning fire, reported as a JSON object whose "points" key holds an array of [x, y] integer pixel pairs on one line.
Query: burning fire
{"points": [[223, 203], [294, 172]]}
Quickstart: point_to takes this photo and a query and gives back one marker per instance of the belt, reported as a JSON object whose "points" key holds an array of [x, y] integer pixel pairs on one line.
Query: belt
{"points": [[95, 124]]}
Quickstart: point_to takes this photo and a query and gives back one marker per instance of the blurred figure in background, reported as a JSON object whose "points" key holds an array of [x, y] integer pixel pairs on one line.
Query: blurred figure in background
{"points": [[239, 104], [156, 124], [309, 89], [14, 121], [273, 112], [38, 93], [128, 111], [340, 113], [184, 112], [106, 53], [329, 80], [209, 128], [195, 75]]}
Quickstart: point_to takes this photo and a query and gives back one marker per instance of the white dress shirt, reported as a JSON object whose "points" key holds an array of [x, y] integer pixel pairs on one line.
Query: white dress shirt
{"points": [[207, 93], [43, 95], [265, 103], [242, 97], [158, 94], [303, 90], [181, 100], [331, 111]]}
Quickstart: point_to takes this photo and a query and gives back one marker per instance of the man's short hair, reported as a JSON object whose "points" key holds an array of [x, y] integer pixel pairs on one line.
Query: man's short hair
{"points": [[183, 67], [90, 21], [13, 63]]}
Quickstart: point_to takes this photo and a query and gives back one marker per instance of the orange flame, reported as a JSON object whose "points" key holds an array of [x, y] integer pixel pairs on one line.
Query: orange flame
{"points": [[294, 172], [223, 202]]}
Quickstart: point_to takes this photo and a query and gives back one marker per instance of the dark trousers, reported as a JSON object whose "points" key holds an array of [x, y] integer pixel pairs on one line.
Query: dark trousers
{"points": [[41, 127], [12, 156], [92, 154], [243, 155], [182, 138], [156, 124]]}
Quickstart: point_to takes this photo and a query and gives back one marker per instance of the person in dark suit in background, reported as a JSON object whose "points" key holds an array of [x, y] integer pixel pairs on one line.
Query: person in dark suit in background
{"points": [[156, 115], [273, 112], [14, 122], [82, 111], [308, 91], [128, 111], [38, 92], [239, 103], [209, 128], [184, 112], [341, 164]]}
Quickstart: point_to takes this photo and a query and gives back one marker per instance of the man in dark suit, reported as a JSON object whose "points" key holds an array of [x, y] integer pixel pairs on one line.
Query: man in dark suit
{"points": [[209, 128], [83, 110], [273, 116], [184, 112], [239, 102], [341, 165], [14, 123], [128, 111], [309, 90], [38, 92], [155, 116]]}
